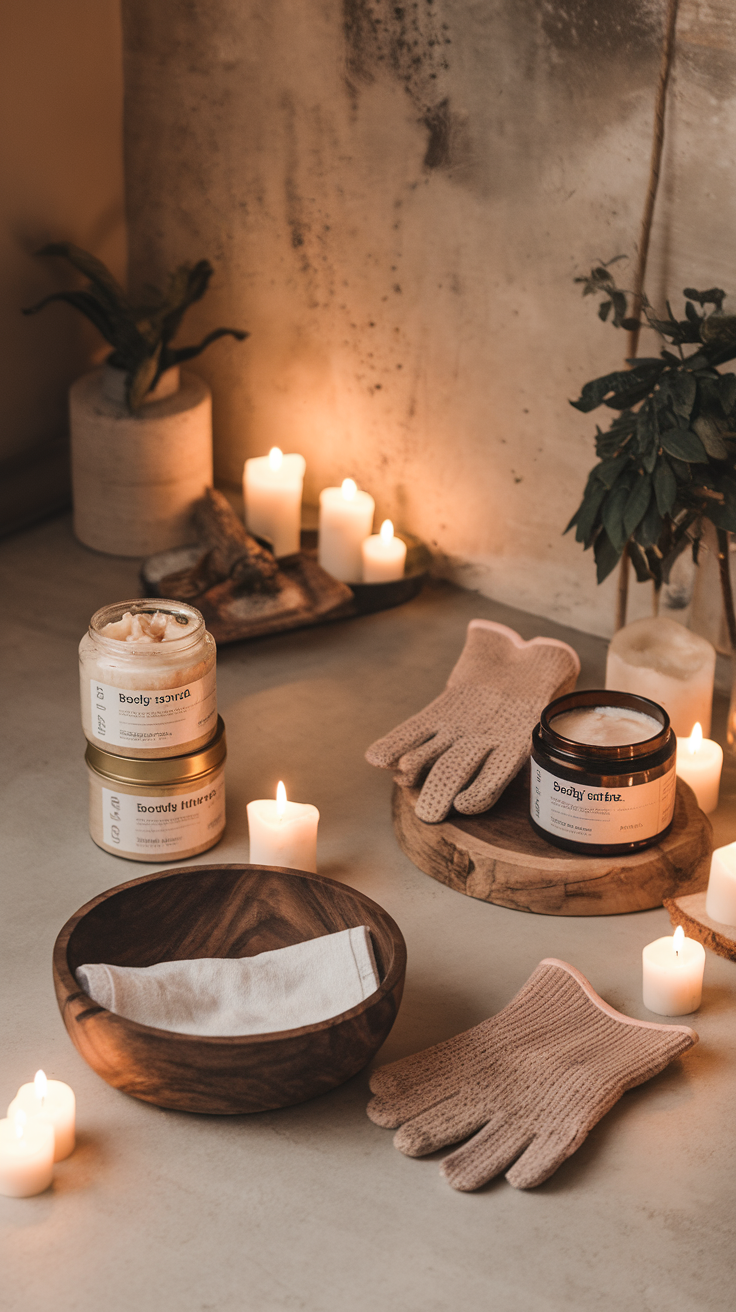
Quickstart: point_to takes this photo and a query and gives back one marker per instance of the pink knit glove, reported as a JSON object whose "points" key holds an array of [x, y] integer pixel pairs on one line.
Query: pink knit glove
{"points": [[528, 1084], [473, 739]]}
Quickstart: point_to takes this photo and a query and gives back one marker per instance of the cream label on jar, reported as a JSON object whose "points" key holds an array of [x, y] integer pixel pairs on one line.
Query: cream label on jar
{"points": [[584, 813], [156, 826], [154, 717]]}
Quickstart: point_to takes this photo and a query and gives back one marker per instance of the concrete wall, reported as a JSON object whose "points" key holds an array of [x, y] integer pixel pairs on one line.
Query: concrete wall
{"points": [[397, 199], [62, 179]]}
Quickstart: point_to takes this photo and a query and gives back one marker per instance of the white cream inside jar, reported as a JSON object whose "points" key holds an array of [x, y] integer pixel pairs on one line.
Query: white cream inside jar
{"points": [[606, 726], [146, 627], [148, 679]]}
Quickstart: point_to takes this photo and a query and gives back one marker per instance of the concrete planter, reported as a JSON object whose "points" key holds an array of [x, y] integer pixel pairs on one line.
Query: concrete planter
{"points": [[136, 476]]}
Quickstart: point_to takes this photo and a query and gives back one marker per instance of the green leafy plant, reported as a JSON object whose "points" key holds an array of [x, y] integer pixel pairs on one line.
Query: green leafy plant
{"points": [[140, 335], [667, 460]]}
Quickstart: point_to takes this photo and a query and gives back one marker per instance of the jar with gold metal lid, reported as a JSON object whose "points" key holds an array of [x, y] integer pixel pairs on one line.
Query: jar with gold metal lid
{"points": [[158, 810]]}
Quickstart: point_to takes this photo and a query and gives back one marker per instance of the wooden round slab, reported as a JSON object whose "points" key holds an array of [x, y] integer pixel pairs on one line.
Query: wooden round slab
{"points": [[497, 857]]}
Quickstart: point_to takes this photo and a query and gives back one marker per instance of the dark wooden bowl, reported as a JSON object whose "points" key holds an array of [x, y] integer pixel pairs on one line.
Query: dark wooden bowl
{"points": [[223, 911]]}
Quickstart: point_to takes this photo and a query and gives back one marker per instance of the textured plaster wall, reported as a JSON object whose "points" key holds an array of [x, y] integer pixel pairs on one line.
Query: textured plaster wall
{"points": [[61, 172], [397, 198]]}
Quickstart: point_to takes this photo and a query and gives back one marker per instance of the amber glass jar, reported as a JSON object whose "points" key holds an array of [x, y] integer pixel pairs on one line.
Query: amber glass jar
{"points": [[603, 798]]}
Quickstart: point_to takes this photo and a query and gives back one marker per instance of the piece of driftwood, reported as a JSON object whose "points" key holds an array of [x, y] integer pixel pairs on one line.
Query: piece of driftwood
{"points": [[229, 552], [497, 857], [689, 911], [223, 911], [243, 592]]}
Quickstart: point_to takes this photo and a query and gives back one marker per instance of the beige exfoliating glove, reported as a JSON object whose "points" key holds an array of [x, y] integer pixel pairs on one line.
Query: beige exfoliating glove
{"points": [[473, 739], [528, 1084]]}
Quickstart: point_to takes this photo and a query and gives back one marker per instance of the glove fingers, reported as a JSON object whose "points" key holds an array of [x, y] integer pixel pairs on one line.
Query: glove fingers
{"points": [[386, 752], [448, 1121], [487, 1153], [390, 1112], [502, 766], [543, 1156], [454, 768], [415, 763]]}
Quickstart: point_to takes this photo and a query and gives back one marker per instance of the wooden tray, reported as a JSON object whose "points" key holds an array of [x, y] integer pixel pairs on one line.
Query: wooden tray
{"points": [[307, 595], [689, 911], [497, 857]]}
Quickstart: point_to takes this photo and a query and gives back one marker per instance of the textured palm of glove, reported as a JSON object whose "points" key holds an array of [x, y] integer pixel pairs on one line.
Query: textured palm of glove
{"points": [[474, 738], [529, 1084]]}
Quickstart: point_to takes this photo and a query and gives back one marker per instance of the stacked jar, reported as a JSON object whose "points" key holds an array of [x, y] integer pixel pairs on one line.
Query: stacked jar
{"points": [[155, 743]]}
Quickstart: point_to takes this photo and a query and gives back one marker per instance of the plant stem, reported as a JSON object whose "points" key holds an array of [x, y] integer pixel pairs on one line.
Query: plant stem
{"points": [[668, 50], [622, 594], [724, 569]]}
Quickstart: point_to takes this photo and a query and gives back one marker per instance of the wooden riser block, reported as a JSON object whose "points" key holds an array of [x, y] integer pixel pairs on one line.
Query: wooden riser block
{"points": [[497, 857], [689, 911]]}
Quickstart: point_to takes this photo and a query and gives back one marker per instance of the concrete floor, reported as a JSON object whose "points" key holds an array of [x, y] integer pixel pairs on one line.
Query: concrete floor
{"points": [[312, 1209]]}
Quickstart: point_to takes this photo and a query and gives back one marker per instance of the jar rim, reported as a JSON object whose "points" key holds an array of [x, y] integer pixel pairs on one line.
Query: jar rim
{"points": [[569, 748], [162, 772], [114, 611]]}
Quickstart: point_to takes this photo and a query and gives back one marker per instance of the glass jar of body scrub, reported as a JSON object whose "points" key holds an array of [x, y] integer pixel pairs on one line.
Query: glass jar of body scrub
{"points": [[159, 810], [603, 773], [148, 679]]}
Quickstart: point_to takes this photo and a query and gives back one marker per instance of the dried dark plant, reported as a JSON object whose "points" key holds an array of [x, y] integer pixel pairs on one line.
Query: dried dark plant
{"points": [[140, 335]]}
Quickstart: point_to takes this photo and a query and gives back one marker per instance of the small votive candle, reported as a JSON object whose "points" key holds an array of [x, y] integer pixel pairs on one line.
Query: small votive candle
{"points": [[283, 833], [720, 900], [52, 1101], [384, 556], [699, 763], [272, 492], [345, 520], [672, 974], [26, 1156]]}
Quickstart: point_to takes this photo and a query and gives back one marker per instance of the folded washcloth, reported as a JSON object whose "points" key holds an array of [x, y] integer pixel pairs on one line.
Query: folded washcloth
{"points": [[278, 990]]}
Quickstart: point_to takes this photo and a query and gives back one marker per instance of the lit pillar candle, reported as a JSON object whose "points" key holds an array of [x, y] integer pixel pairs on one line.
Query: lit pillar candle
{"points": [[384, 556], [699, 763], [272, 491], [345, 521], [673, 974], [720, 900], [283, 833], [26, 1156], [52, 1101]]}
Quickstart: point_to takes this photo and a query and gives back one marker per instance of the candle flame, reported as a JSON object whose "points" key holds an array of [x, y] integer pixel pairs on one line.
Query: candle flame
{"points": [[349, 488], [280, 799], [387, 530], [40, 1085], [275, 457], [678, 938], [695, 741], [19, 1123]]}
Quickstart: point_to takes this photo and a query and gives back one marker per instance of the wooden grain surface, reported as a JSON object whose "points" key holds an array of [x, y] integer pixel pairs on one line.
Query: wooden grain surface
{"points": [[223, 911], [497, 857], [689, 911]]}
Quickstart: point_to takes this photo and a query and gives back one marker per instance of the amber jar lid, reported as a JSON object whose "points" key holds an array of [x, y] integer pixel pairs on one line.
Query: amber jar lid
{"points": [[162, 771]]}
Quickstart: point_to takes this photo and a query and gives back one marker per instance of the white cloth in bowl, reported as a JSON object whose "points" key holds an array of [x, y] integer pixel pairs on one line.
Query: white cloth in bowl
{"points": [[279, 990]]}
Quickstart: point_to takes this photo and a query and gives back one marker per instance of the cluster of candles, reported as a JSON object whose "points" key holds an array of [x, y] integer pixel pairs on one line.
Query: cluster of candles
{"points": [[38, 1131], [348, 547]]}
